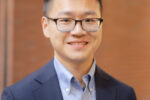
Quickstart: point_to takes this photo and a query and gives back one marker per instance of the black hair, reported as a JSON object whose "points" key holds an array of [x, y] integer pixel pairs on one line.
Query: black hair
{"points": [[46, 3]]}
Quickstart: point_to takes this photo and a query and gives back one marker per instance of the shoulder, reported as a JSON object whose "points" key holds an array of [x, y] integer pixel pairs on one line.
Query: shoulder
{"points": [[24, 87], [107, 81], [102, 76], [21, 89]]}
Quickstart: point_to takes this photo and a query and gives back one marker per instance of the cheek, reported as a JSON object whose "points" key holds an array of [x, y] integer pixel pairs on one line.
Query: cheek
{"points": [[58, 40], [97, 40]]}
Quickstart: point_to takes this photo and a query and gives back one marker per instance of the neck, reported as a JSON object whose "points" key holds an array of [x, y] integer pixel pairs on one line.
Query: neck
{"points": [[78, 69]]}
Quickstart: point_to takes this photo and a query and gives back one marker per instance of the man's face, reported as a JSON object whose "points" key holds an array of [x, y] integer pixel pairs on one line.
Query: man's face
{"points": [[77, 45]]}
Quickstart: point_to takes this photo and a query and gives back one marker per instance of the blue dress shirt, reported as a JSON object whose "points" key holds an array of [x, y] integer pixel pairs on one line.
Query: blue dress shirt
{"points": [[71, 88]]}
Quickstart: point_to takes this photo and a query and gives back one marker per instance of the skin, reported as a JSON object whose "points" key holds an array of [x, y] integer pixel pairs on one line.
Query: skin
{"points": [[70, 47]]}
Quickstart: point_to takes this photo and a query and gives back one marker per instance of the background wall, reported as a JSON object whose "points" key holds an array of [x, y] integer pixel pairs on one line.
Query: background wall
{"points": [[124, 53]]}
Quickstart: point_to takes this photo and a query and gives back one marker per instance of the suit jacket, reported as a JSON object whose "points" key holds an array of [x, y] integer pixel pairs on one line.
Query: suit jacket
{"points": [[43, 85]]}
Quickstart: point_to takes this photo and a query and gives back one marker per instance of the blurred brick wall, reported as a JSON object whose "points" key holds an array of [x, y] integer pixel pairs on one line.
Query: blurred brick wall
{"points": [[31, 49], [124, 52], [1, 48]]}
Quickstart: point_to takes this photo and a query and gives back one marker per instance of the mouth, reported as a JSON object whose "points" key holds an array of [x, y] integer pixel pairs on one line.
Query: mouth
{"points": [[78, 44]]}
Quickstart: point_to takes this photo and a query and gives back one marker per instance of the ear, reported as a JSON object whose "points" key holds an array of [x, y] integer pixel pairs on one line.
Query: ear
{"points": [[44, 23]]}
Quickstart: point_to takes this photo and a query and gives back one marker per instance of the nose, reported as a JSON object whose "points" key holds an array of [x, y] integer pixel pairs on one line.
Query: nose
{"points": [[78, 31]]}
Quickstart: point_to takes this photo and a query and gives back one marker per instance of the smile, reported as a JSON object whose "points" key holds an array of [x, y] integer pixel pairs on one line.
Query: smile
{"points": [[78, 44]]}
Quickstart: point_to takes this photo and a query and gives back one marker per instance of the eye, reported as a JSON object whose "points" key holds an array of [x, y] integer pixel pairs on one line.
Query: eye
{"points": [[65, 20], [90, 20]]}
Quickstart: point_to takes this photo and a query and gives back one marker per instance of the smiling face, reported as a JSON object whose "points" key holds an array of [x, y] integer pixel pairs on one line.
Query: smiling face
{"points": [[78, 45]]}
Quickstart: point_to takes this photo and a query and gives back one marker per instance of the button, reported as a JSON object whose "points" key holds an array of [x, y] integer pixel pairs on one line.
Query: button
{"points": [[67, 90], [91, 89]]}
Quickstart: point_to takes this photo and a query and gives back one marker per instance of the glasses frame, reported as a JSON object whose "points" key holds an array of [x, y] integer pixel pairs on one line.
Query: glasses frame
{"points": [[76, 21]]}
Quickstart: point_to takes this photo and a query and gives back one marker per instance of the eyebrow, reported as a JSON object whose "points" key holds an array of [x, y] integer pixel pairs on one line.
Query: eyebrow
{"points": [[71, 13], [90, 13]]}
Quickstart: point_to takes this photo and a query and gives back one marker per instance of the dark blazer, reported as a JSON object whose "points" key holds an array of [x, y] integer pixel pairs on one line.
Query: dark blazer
{"points": [[43, 85]]}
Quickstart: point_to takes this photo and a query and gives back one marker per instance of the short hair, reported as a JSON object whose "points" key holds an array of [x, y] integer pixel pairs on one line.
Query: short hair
{"points": [[45, 6]]}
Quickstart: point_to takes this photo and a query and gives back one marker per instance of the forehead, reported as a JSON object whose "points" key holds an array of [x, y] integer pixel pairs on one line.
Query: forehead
{"points": [[74, 7]]}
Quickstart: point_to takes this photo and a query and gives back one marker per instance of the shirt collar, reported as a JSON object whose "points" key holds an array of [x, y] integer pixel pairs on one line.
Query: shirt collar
{"points": [[90, 77], [66, 78], [63, 74]]}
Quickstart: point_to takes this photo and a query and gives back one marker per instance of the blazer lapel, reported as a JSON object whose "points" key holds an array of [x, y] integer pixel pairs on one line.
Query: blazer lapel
{"points": [[104, 88], [46, 86]]}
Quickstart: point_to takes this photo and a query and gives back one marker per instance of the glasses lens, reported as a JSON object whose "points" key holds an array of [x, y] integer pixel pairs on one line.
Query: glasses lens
{"points": [[91, 25], [65, 24]]}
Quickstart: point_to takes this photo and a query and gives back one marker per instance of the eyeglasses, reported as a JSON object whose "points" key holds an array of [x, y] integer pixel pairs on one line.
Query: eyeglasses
{"points": [[68, 24]]}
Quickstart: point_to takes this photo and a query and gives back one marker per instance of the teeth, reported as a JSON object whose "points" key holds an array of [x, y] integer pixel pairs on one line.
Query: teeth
{"points": [[82, 43]]}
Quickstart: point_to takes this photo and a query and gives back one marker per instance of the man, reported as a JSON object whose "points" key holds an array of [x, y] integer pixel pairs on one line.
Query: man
{"points": [[74, 28]]}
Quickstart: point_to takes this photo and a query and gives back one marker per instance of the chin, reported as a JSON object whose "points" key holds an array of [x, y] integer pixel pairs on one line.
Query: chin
{"points": [[78, 58]]}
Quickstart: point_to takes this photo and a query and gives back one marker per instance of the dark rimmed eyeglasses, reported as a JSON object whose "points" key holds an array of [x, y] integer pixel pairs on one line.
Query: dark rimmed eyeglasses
{"points": [[68, 24]]}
